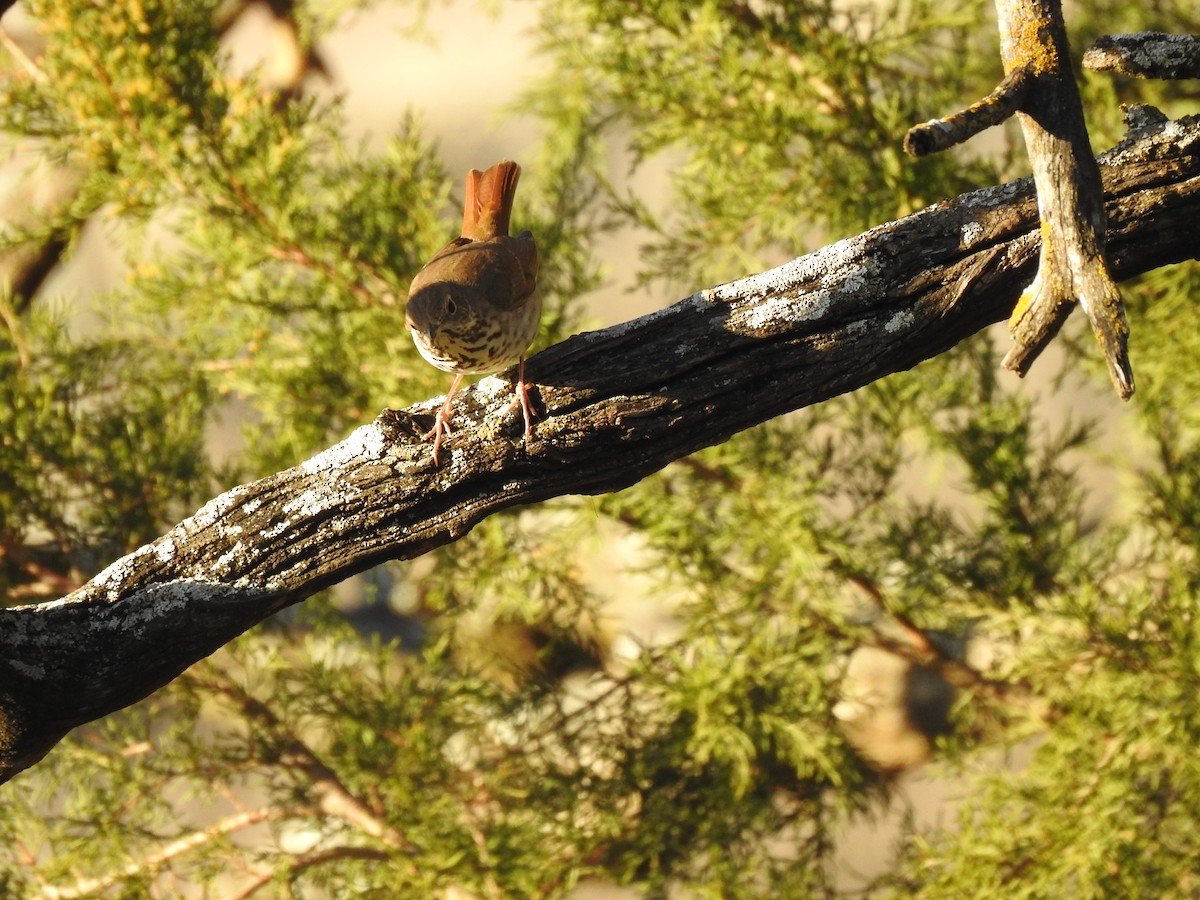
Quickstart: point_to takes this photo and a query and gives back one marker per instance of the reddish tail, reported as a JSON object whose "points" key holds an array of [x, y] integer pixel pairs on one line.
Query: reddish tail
{"points": [[489, 200]]}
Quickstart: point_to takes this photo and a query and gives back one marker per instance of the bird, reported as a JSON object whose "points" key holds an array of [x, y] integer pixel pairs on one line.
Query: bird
{"points": [[473, 308]]}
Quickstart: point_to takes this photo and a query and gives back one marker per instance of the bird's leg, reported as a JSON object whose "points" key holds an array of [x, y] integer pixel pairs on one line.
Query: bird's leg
{"points": [[441, 423], [522, 397]]}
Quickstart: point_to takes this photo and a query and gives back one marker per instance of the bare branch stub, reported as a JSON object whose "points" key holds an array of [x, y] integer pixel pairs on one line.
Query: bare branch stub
{"points": [[1147, 54], [942, 134], [1072, 266]]}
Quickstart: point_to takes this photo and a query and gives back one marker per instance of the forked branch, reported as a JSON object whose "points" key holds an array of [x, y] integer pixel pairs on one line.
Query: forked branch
{"points": [[1039, 86]]}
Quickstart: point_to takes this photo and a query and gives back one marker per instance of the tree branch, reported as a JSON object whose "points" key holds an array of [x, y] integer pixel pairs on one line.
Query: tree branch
{"points": [[942, 134], [309, 860], [1148, 54], [1039, 85], [334, 799], [1072, 267], [85, 887], [617, 405]]}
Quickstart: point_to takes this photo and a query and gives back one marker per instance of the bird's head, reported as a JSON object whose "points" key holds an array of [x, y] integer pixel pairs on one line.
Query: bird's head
{"points": [[447, 328]]}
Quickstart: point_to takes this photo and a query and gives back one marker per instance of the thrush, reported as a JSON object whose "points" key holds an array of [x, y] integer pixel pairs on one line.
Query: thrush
{"points": [[473, 309]]}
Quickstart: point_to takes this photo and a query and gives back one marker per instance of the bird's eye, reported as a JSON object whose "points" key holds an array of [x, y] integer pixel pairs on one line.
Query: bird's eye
{"points": [[451, 306]]}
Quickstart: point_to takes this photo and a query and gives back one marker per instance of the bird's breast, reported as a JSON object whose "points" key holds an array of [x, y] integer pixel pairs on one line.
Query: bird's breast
{"points": [[485, 342]]}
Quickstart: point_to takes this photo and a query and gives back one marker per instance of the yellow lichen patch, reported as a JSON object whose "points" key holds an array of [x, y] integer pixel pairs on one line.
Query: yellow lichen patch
{"points": [[1030, 44], [1022, 305]]}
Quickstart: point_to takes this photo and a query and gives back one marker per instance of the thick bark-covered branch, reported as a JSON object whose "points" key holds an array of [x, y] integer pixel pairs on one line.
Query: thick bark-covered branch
{"points": [[616, 405]]}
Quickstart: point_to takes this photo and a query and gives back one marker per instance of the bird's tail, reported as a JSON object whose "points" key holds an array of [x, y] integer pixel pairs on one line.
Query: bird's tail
{"points": [[489, 200]]}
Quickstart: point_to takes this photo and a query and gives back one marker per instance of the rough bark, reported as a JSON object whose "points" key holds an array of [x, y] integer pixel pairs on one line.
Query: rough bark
{"points": [[615, 406], [1148, 54]]}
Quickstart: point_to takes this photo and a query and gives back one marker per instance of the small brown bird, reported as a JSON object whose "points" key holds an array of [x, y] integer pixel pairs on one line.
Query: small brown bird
{"points": [[472, 309]]}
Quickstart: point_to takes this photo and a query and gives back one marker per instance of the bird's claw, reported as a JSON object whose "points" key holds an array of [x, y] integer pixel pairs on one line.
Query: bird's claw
{"points": [[441, 426], [522, 399], [441, 422]]}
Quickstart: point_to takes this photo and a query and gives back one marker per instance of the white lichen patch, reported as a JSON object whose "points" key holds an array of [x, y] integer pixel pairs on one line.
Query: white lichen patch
{"points": [[857, 328], [1000, 195], [860, 280], [222, 563], [824, 267], [799, 290], [494, 387], [216, 508], [276, 530], [696, 301], [784, 310], [113, 575], [685, 350], [170, 599], [1175, 129], [366, 442], [971, 234], [112, 578], [899, 321], [306, 504]]}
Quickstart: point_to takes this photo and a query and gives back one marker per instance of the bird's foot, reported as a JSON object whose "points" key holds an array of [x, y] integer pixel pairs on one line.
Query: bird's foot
{"points": [[441, 427], [441, 422], [521, 399]]}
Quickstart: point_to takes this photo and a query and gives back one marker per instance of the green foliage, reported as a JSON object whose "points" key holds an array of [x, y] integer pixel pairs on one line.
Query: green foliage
{"points": [[94, 456], [525, 745], [795, 104]]}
